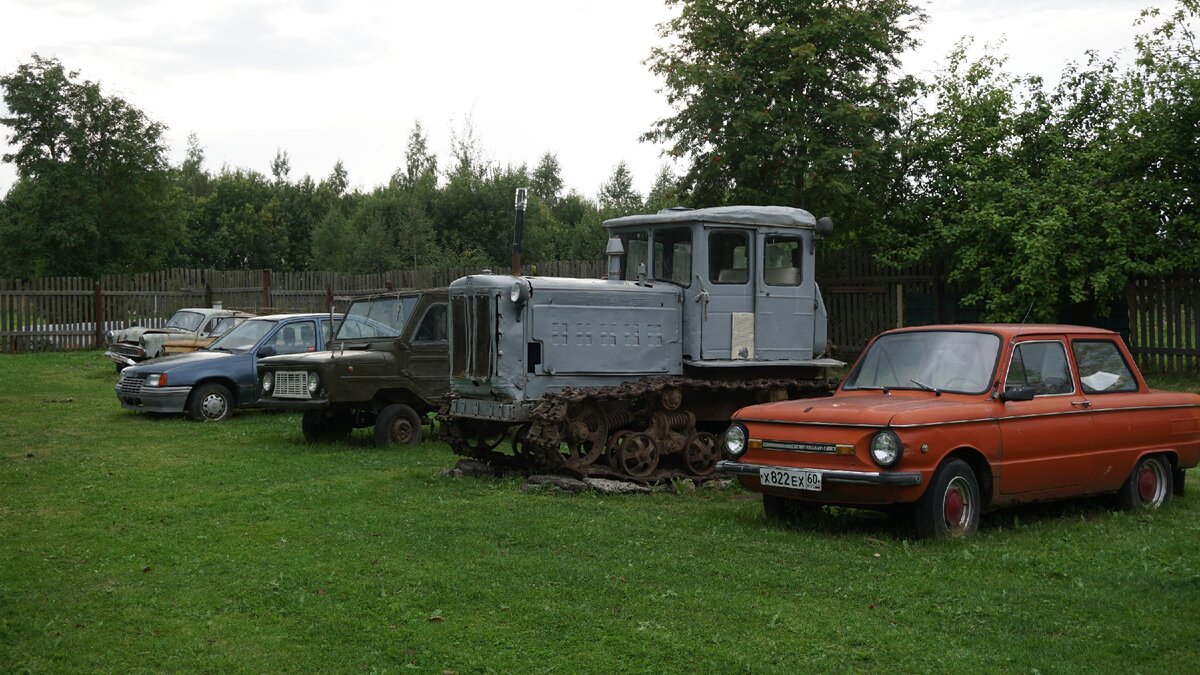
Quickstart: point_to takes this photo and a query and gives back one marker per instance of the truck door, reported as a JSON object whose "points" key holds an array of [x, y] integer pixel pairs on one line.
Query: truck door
{"points": [[784, 296], [427, 342], [727, 326]]}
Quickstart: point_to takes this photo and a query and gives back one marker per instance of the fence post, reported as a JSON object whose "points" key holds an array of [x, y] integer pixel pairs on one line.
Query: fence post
{"points": [[98, 312], [266, 290], [207, 294]]}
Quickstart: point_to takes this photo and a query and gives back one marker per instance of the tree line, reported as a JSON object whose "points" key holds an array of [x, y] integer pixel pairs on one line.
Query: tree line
{"points": [[1030, 196]]}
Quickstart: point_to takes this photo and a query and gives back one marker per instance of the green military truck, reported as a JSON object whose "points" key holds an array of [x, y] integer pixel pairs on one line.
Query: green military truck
{"points": [[386, 367]]}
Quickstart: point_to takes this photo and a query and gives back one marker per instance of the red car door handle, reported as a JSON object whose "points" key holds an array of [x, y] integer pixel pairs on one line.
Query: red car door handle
{"points": [[1081, 404]]}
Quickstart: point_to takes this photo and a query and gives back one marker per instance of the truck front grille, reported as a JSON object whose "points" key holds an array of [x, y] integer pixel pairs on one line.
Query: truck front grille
{"points": [[291, 384], [471, 337]]}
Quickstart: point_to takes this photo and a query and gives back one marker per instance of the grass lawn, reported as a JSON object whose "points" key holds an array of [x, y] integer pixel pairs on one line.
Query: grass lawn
{"points": [[135, 543]]}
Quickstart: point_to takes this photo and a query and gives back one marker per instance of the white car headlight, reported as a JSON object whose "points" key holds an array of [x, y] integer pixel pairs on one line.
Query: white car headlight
{"points": [[313, 381], [268, 381], [735, 440], [155, 380], [886, 448]]}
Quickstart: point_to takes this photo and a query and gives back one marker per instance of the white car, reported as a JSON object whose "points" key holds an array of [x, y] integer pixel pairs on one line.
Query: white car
{"points": [[138, 343]]}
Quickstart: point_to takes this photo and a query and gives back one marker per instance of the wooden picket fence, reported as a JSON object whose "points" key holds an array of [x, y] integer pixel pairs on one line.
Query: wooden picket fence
{"points": [[67, 313], [862, 298], [1164, 323]]}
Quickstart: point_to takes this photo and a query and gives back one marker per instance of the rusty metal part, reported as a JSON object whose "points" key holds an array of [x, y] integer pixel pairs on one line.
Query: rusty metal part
{"points": [[700, 453], [587, 433], [670, 398], [638, 455]]}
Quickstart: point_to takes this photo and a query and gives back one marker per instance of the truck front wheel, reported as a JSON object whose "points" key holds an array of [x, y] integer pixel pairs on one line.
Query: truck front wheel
{"points": [[397, 424]]}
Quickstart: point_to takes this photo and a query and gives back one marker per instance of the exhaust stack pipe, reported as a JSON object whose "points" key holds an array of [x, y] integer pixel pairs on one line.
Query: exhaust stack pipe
{"points": [[518, 230]]}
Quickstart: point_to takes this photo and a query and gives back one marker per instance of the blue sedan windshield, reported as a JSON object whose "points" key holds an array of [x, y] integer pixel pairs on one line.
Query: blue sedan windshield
{"points": [[243, 337]]}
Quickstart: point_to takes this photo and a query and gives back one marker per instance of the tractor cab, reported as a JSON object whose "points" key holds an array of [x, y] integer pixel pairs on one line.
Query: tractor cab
{"points": [[746, 272]]}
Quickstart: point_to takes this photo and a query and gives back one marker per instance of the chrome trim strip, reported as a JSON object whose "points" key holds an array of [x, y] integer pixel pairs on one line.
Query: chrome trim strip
{"points": [[790, 446], [897, 479]]}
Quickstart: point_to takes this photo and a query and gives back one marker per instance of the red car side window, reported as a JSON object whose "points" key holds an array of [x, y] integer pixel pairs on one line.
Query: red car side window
{"points": [[1102, 369]]}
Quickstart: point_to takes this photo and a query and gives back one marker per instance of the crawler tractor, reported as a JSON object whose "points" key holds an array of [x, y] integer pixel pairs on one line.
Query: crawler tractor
{"points": [[633, 376]]}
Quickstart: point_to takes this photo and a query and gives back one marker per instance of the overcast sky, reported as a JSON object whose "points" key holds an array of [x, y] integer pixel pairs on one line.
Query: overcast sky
{"points": [[330, 79]]}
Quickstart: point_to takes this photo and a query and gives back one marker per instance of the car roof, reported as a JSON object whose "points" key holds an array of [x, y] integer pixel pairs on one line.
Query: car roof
{"points": [[309, 315], [1011, 330]]}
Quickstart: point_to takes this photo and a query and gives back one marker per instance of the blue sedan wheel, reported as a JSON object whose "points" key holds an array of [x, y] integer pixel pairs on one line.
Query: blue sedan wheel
{"points": [[210, 403]]}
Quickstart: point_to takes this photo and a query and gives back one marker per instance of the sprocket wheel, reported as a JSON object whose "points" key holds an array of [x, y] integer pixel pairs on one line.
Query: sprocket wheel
{"points": [[587, 431], [700, 453], [638, 455]]}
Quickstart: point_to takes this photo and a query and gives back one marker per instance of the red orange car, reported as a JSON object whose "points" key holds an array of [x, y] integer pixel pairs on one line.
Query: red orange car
{"points": [[955, 420]]}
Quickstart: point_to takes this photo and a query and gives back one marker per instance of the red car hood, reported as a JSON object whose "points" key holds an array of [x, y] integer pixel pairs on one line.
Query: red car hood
{"points": [[874, 409]]}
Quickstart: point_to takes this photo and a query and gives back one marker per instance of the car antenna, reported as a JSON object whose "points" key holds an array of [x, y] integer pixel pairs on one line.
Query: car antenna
{"points": [[1023, 319]]}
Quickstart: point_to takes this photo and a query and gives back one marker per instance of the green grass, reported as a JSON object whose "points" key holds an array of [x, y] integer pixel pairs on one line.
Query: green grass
{"points": [[133, 543]]}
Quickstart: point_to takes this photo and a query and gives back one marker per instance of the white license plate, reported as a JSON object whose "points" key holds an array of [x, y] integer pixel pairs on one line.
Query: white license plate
{"points": [[796, 479]]}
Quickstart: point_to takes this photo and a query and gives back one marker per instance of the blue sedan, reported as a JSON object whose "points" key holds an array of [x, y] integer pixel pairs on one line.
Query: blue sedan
{"points": [[208, 384]]}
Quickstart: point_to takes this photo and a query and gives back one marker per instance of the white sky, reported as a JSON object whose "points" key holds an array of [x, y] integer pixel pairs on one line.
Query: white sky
{"points": [[330, 79]]}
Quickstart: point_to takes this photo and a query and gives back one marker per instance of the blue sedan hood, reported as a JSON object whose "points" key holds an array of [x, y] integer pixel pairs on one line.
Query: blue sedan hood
{"points": [[166, 363]]}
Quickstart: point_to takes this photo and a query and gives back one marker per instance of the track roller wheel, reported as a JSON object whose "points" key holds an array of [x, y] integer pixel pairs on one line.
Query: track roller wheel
{"points": [[700, 453], [638, 455], [613, 447]]}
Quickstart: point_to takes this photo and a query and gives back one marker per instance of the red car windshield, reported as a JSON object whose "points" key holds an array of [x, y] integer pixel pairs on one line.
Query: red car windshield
{"points": [[954, 361]]}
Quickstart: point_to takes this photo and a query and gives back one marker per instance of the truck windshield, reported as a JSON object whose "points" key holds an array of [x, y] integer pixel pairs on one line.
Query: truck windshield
{"points": [[382, 317], [953, 361]]}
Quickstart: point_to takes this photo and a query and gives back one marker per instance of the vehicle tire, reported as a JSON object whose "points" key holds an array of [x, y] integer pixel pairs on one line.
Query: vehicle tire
{"points": [[783, 510], [1149, 485], [397, 424], [951, 505], [320, 426], [210, 403]]}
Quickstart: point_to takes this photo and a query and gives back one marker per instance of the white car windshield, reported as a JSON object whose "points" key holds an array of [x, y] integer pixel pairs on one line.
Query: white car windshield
{"points": [[953, 361], [243, 337], [376, 317], [185, 320]]}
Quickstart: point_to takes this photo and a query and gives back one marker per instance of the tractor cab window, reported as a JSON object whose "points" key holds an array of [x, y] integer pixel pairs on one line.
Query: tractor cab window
{"points": [[781, 260], [673, 256], [636, 246], [729, 257]]}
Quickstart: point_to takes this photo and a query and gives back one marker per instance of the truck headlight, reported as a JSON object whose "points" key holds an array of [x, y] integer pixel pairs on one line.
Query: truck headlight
{"points": [[886, 448], [735, 440], [268, 382], [313, 381]]}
